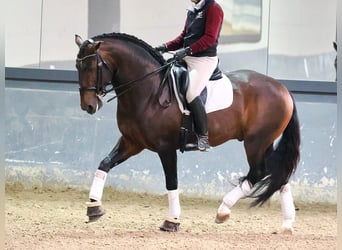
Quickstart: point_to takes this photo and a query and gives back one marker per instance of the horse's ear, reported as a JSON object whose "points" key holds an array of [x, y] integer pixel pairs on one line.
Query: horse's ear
{"points": [[78, 40], [97, 44], [335, 45]]}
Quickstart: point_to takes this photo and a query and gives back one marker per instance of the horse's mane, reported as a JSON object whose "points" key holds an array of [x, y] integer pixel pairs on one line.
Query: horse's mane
{"points": [[135, 40]]}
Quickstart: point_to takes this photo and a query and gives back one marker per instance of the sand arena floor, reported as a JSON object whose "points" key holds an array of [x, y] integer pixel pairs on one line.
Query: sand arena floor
{"points": [[55, 218]]}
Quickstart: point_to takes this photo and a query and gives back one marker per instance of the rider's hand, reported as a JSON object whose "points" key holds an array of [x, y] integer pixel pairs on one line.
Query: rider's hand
{"points": [[181, 53], [161, 48]]}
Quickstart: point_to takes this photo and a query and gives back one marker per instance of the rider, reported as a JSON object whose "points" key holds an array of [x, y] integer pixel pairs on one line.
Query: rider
{"points": [[197, 44]]}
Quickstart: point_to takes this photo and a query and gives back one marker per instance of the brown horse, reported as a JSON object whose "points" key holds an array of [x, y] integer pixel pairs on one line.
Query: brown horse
{"points": [[262, 110]]}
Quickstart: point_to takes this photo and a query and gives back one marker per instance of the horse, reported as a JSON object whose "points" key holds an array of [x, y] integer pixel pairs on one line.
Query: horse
{"points": [[263, 115]]}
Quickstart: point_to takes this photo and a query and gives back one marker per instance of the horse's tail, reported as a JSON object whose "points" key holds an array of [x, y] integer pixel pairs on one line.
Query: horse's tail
{"points": [[281, 163]]}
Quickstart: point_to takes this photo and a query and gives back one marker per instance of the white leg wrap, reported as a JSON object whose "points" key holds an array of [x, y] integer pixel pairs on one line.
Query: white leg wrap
{"points": [[96, 189], [237, 193], [174, 205], [223, 209], [233, 196], [287, 207]]}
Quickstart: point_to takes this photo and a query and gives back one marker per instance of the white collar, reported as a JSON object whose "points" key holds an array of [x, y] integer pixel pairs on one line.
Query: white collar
{"points": [[199, 5]]}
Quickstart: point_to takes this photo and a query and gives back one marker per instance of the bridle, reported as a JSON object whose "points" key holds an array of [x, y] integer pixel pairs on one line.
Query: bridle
{"points": [[101, 87]]}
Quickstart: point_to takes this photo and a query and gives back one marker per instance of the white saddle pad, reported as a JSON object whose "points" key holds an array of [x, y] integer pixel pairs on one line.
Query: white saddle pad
{"points": [[219, 95]]}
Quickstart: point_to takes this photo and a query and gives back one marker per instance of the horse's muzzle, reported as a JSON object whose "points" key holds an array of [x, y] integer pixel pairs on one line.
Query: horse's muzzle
{"points": [[92, 107]]}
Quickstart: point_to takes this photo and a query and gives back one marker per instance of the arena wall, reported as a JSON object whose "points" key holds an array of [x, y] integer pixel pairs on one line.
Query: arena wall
{"points": [[51, 141]]}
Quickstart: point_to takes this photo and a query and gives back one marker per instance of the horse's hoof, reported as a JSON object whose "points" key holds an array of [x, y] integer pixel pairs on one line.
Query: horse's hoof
{"points": [[93, 218], [94, 211], [220, 218], [170, 226], [287, 230], [287, 227]]}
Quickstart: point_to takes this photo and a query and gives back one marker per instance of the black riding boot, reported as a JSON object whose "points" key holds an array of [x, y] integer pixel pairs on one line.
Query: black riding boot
{"points": [[200, 120]]}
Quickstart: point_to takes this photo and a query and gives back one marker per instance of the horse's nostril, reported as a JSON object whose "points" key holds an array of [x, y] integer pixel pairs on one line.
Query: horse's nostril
{"points": [[90, 109]]}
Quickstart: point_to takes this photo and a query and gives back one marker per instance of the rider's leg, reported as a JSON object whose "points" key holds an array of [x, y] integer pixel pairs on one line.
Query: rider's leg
{"points": [[200, 70], [201, 125]]}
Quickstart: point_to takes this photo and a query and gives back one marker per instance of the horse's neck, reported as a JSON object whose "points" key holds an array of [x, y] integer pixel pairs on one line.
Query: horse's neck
{"points": [[138, 87], [134, 67]]}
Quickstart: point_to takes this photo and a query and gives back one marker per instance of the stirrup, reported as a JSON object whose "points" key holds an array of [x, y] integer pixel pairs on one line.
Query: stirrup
{"points": [[203, 144]]}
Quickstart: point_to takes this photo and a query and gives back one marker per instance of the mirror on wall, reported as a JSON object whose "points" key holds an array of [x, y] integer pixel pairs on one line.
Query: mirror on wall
{"points": [[283, 39]]}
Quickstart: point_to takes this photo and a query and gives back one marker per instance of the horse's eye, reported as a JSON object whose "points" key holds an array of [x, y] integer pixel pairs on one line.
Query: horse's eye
{"points": [[85, 67], [82, 66]]}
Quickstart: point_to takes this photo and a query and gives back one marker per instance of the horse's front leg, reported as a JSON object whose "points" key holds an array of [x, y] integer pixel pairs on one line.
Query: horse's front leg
{"points": [[169, 161], [122, 151]]}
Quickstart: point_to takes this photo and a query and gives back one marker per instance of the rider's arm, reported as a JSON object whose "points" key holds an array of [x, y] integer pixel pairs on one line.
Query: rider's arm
{"points": [[212, 29]]}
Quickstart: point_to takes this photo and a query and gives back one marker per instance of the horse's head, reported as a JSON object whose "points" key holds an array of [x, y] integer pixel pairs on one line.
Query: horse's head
{"points": [[93, 73]]}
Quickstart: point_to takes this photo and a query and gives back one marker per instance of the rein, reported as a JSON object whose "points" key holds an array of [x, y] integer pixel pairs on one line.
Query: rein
{"points": [[100, 88], [137, 80]]}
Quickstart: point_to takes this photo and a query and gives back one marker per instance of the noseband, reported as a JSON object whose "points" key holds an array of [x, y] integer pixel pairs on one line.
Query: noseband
{"points": [[101, 87]]}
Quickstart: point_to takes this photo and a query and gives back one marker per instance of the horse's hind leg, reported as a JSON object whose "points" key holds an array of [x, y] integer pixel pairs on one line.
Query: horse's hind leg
{"points": [[169, 161], [288, 209], [260, 169], [223, 212], [255, 158], [122, 151]]}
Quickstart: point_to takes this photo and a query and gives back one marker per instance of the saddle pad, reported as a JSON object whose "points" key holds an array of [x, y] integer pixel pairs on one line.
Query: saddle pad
{"points": [[219, 94]]}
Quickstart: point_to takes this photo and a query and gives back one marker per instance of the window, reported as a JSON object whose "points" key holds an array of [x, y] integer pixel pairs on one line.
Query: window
{"points": [[40, 33], [242, 21]]}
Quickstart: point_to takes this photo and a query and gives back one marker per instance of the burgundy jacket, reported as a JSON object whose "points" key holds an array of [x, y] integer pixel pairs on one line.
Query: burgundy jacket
{"points": [[201, 30]]}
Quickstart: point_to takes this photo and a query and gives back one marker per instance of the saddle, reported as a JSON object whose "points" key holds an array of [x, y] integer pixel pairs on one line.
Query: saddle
{"points": [[180, 72], [181, 76]]}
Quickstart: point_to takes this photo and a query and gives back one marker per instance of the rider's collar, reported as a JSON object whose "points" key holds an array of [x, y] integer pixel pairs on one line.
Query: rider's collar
{"points": [[196, 6], [199, 5]]}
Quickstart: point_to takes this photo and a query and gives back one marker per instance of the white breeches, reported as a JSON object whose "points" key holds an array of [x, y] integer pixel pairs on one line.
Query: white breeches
{"points": [[200, 70]]}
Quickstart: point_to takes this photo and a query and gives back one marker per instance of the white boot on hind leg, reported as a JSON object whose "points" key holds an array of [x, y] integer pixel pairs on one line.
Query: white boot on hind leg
{"points": [[223, 212], [288, 209]]}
